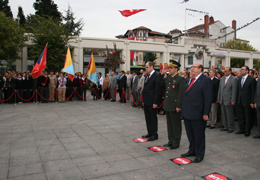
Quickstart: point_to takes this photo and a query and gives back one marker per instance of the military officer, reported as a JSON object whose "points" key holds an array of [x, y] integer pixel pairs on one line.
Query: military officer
{"points": [[174, 92]]}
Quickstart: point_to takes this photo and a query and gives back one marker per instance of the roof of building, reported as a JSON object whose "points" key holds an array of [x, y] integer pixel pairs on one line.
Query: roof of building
{"points": [[142, 28], [175, 31]]}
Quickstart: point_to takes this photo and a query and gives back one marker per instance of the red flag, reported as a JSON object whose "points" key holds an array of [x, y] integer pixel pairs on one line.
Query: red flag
{"points": [[132, 53], [128, 12], [40, 64]]}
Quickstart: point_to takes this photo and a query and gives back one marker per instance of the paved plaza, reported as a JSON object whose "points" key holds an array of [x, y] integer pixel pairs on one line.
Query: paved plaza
{"points": [[94, 140]]}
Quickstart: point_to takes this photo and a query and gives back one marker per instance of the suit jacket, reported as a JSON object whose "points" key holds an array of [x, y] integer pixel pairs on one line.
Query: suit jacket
{"points": [[122, 82], [257, 94], [174, 92], [113, 82], [246, 94], [197, 101], [129, 80], [151, 89], [215, 86], [227, 93], [135, 82]]}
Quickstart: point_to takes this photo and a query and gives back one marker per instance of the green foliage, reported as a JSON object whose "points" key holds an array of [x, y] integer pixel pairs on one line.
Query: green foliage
{"points": [[238, 45], [47, 8], [237, 63], [73, 28], [112, 60], [5, 8], [257, 64], [11, 38], [20, 16], [150, 57], [51, 32]]}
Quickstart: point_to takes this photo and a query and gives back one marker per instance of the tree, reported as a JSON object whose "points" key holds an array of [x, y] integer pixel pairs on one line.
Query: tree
{"points": [[54, 33], [73, 28], [150, 57], [20, 16], [11, 38], [238, 45], [5, 8], [47, 8], [112, 60]]}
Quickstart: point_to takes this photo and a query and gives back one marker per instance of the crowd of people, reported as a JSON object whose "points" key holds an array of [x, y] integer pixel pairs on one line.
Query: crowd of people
{"points": [[216, 98]]}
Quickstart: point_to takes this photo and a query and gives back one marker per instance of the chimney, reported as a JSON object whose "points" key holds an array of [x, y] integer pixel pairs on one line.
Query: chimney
{"points": [[206, 25], [234, 26], [211, 20]]}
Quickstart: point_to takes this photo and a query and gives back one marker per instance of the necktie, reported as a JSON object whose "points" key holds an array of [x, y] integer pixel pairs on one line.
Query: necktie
{"points": [[147, 78], [226, 80], [243, 81], [191, 84]]}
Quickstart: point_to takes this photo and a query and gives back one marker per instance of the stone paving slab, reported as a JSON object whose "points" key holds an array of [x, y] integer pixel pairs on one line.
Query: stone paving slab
{"points": [[94, 140]]}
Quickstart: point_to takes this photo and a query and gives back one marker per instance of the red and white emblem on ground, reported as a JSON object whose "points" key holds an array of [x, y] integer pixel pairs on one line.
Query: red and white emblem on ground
{"points": [[216, 177], [140, 140], [182, 161], [157, 148]]}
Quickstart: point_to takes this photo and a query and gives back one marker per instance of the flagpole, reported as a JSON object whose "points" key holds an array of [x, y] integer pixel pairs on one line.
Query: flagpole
{"points": [[185, 19]]}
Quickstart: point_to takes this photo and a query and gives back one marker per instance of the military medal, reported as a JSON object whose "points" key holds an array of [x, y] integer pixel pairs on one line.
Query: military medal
{"points": [[173, 86]]}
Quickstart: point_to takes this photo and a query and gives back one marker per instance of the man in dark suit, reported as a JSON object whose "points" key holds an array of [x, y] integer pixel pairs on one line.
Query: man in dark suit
{"points": [[175, 89], [257, 106], [211, 123], [122, 86], [195, 111], [245, 101], [150, 101]]}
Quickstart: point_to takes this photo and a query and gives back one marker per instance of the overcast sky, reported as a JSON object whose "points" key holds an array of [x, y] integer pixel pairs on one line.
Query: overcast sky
{"points": [[102, 18]]}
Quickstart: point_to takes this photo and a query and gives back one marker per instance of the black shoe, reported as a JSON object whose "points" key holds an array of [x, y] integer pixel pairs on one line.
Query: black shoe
{"points": [[197, 160], [240, 132], [247, 134], [257, 136], [146, 136], [187, 154], [212, 127], [152, 138], [167, 145], [174, 147]]}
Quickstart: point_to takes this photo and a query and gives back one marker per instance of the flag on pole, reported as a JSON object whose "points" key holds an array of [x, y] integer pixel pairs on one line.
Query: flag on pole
{"points": [[92, 72], [68, 65], [40, 64], [127, 12]]}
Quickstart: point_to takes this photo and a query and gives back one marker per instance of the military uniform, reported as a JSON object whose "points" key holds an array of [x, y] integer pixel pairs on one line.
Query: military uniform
{"points": [[174, 92]]}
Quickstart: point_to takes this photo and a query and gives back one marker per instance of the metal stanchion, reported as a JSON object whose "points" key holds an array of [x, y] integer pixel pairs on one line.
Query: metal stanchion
{"points": [[74, 95], [15, 97]]}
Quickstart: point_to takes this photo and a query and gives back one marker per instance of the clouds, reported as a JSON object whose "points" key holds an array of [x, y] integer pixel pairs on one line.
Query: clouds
{"points": [[102, 18]]}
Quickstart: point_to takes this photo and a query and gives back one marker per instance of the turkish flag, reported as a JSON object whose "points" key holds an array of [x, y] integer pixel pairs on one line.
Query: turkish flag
{"points": [[128, 12]]}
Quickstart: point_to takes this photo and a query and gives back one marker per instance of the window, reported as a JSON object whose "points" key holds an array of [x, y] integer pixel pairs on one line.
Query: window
{"points": [[190, 60], [141, 34]]}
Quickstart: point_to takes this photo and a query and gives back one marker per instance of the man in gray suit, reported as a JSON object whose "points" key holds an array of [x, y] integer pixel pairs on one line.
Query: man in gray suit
{"points": [[112, 86], [227, 98], [134, 89], [128, 84], [257, 106]]}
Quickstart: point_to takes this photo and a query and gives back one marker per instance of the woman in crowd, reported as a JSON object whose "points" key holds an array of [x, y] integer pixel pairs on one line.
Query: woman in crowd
{"points": [[62, 81], [9, 88]]}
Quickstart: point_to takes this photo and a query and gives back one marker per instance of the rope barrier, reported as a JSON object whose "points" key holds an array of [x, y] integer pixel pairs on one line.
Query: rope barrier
{"points": [[25, 99], [64, 97], [8, 98], [44, 98], [83, 97], [103, 96]]}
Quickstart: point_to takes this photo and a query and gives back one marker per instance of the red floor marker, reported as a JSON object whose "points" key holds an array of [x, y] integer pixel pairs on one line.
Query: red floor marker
{"points": [[216, 176], [140, 140], [157, 148], [182, 161]]}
